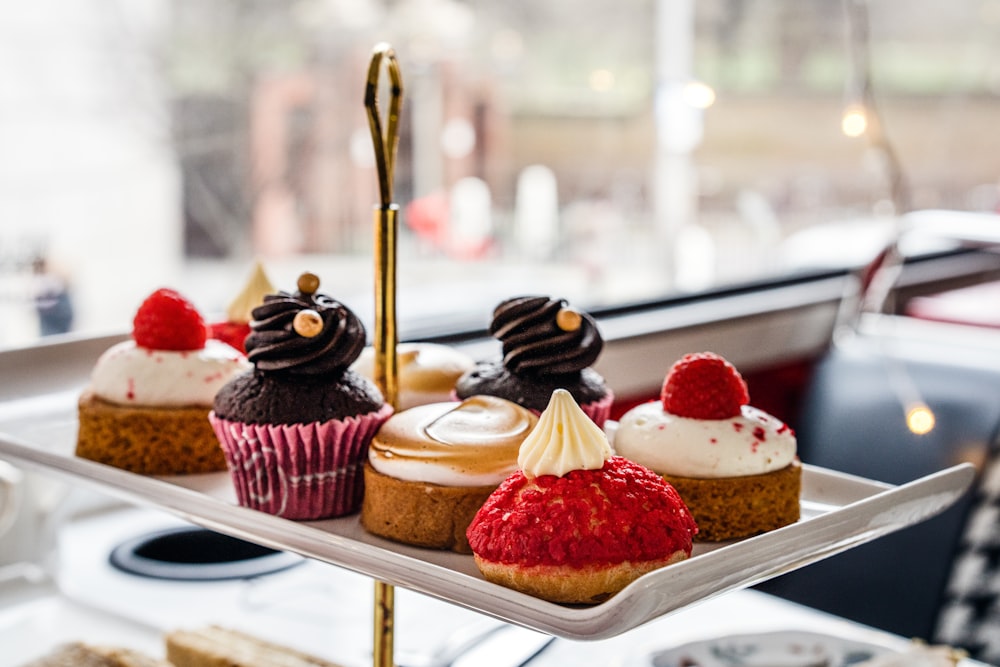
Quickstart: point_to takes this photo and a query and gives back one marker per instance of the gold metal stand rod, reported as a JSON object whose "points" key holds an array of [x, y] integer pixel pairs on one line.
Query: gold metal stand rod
{"points": [[385, 597], [386, 376], [385, 336]]}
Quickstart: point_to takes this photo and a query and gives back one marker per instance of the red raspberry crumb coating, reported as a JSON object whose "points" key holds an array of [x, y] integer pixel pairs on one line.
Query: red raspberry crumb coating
{"points": [[704, 386], [622, 512], [233, 334], [168, 321]]}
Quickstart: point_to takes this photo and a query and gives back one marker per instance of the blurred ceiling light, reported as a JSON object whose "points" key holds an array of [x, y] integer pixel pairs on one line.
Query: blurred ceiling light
{"points": [[854, 122], [920, 419], [699, 95], [602, 80]]}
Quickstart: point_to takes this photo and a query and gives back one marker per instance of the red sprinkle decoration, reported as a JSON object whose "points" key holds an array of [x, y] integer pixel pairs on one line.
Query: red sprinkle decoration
{"points": [[622, 512]]}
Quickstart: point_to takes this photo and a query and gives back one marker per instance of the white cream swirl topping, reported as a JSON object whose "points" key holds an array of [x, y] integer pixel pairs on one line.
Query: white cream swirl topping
{"points": [[127, 374], [751, 444], [565, 439], [472, 443]]}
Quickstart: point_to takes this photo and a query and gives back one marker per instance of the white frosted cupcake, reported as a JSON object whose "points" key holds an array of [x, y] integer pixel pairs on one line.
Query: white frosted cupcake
{"points": [[734, 465]]}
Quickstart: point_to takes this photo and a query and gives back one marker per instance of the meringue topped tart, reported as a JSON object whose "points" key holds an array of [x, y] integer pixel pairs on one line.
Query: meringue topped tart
{"points": [[431, 467], [576, 524]]}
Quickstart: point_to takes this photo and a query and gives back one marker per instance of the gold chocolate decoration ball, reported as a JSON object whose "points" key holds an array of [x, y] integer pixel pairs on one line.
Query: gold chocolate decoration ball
{"points": [[308, 283], [568, 319], [307, 323]]}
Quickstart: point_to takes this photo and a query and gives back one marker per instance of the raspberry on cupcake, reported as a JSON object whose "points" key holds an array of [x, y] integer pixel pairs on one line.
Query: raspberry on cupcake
{"points": [[735, 465], [295, 429], [547, 345], [146, 406], [576, 524]]}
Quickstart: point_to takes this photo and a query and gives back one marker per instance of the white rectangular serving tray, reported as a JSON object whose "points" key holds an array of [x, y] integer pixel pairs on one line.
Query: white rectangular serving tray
{"points": [[39, 387]]}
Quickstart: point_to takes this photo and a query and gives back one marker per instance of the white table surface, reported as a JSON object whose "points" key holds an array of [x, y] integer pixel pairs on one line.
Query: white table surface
{"points": [[320, 609]]}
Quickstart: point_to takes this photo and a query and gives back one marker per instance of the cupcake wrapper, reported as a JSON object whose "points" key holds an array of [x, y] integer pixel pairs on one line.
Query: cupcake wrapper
{"points": [[299, 471], [599, 411]]}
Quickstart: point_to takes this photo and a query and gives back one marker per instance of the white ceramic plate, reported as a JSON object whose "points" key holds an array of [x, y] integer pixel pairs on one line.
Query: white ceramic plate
{"points": [[771, 649], [38, 429]]}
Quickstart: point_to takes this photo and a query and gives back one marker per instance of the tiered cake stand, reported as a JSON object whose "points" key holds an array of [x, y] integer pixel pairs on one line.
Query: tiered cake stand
{"points": [[38, 430]]}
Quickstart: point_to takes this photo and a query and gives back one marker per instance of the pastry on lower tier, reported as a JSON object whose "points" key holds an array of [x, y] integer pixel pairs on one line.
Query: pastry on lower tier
{"points": [[427, 372], [215, 646], [146, 406], [547, 345], [735, 466], [78, 654], [576, 524], [430, 468], [295, 428]]}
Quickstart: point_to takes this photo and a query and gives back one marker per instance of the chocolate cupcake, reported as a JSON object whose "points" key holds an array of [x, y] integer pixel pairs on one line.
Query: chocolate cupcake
{"points": [[547, 345], [295, 430]]}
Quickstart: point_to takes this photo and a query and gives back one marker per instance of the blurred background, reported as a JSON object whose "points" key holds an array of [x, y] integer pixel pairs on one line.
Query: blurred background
{"points": [[610, 153]]}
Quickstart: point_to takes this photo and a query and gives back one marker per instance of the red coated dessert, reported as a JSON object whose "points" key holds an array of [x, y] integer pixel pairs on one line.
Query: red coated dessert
{"points": [[581, 532]]}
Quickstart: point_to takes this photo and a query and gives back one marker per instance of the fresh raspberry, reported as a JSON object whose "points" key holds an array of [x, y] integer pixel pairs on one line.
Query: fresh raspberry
{"points": [[233, 334], [168, 321], [704, 386]]}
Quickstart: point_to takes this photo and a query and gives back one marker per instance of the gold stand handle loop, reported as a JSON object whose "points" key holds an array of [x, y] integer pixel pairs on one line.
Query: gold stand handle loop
{"points": [[385, 336], [385, 145], [386, 218]]}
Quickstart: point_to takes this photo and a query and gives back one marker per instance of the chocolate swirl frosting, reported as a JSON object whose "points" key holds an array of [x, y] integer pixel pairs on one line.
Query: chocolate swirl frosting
{"points": [[543, 336], [279, 344]]}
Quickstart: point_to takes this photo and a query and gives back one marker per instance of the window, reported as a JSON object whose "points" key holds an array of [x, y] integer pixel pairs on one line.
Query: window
{"points": [[605, 152]]}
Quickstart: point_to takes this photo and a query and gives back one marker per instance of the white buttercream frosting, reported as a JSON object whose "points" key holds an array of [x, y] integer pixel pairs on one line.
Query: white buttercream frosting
{"points": [[750, 444], [564, 440], [131, 375]]}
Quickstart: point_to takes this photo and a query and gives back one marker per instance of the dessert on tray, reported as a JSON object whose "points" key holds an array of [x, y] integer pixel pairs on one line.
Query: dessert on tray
{"points": [[146, 406], [427, 372], [576, 523], [79, 654], [215, 646], [547, 345], [236, 327], [430, 468], [735, 465], [295, 428]]}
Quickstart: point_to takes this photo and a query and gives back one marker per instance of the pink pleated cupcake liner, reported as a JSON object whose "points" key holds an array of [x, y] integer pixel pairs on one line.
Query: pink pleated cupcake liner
{"points": [[299, 471], [599, 411]]}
